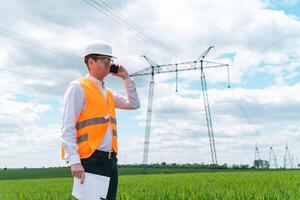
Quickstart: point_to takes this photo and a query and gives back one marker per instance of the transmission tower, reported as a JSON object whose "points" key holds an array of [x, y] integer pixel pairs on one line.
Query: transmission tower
{"points": [[178, 67], [272, 159], [207, 110], [256, 155], [287, 160]]}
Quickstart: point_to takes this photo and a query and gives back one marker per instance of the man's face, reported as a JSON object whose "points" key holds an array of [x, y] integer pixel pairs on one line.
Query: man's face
{"points": [[100, 66]]}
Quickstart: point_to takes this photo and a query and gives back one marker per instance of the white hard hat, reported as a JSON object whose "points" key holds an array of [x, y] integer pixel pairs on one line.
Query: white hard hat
{"points": [[98, 47]]}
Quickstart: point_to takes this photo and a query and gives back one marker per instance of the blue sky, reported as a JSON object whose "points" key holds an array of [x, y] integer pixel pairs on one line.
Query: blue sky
{"points": [[290, 7], [259, 39]]}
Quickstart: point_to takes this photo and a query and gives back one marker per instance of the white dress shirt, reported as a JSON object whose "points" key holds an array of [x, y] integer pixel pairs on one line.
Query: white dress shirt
{"points": [[74, 104]]}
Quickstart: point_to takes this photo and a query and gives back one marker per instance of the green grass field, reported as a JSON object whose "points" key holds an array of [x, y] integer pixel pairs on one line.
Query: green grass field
{"points": [[32, 173], [258, 185]]}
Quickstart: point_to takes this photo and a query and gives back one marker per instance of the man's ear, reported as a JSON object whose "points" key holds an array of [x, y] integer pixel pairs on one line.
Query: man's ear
{"points": [[90, 61]]}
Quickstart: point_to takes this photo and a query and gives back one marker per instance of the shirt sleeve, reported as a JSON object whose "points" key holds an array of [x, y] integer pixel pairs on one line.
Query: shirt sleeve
{"points": [[131, 101], [73, 104]]}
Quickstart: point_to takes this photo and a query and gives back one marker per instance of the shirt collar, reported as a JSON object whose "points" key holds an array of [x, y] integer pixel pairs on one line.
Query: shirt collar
{"points": [[95, 80]]}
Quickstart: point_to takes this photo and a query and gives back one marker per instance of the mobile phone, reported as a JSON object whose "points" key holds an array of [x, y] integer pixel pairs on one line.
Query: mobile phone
{"points": [[114, 69]]}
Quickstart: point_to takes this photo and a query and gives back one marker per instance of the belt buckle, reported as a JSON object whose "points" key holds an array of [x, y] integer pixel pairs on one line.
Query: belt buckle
{"points": [[109, 154]]}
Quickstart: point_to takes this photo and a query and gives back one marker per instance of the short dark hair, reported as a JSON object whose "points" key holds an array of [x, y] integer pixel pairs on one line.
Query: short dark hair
{"points": [[92, 56]]}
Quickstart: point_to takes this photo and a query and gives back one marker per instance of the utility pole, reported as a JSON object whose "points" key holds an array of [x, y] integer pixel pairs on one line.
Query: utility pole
{"points": [[178, 67]]}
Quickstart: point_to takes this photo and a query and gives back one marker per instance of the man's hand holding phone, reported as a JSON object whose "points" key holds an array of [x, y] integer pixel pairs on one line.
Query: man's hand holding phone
{"points": [[119, 71]]}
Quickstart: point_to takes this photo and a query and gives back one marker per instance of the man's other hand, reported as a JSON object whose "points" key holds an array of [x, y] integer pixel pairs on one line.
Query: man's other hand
{"points": [[78, 171]]}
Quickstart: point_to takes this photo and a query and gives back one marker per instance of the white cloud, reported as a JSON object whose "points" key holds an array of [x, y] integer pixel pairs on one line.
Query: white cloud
{"points": [[262, 41], [240, 118]]}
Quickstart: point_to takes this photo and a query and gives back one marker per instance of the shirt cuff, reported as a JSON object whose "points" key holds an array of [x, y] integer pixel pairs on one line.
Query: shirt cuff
{"points": [[74, 159], [129, 82]]}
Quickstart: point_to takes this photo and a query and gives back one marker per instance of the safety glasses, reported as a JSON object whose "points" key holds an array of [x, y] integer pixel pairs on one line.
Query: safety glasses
{"points": [[105, 59]]}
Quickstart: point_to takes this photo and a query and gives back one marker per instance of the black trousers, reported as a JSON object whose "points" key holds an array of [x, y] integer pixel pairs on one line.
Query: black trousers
{"points": [[98, 164]]}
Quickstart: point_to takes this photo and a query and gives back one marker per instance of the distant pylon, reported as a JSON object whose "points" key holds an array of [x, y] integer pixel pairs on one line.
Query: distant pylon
{"points": [[287, 160], [272, 159], [256, 155]]}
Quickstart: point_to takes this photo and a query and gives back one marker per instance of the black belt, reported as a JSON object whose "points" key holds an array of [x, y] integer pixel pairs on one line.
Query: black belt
{"points": [[105, 154]]}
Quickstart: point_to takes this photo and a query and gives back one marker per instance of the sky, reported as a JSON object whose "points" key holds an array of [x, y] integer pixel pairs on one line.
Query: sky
{"points": [[41, 52]]}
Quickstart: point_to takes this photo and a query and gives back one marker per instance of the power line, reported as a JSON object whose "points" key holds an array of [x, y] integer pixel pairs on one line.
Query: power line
{"points": [[33, 77], [109, 12], [139, 30], [38, 44], [142, 31], [244, 112], [129, 25]]}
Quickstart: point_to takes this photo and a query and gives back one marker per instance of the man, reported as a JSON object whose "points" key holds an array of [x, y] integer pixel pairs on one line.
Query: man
{"points": [[89, 128]]}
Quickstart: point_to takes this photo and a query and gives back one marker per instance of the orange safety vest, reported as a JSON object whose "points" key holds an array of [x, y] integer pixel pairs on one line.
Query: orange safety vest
{"points": [[94, 119]]}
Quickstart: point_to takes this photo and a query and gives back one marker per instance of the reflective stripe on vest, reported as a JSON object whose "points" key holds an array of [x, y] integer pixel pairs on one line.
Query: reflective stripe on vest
{"points": [[84, 137], [92, 121]]}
